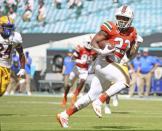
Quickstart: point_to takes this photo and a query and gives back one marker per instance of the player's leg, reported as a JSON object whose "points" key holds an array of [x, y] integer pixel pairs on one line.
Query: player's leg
{"points": [[81, 103], [77, 90], [27, 84], [68, 86], [82, 78], [148, 84], [120, 79], [115, 100], [107, 103], [140, 85], [107, 106], [132, 84], [4, 79], [11, 86]]}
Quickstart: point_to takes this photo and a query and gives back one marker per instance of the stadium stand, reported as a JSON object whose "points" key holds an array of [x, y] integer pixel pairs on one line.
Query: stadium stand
{"points": [[148, 15]]}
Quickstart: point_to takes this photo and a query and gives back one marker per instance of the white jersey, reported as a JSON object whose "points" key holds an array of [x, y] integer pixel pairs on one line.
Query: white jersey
{"points": [[6, 47]]}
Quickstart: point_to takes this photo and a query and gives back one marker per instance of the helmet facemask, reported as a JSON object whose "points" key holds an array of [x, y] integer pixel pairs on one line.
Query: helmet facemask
{"points": [[88, 46], [123, 22], [7, 30], [6, 26]]}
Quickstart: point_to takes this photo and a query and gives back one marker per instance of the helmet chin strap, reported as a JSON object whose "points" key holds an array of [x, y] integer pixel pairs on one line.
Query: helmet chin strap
{"points": [[122, 29]]}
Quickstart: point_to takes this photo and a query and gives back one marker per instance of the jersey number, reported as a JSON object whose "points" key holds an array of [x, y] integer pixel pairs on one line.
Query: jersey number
{"points": [[122, 44], [5, 51]]}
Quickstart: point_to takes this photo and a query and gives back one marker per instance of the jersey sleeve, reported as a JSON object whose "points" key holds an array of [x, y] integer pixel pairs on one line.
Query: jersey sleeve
{"points": [[134, 37], [107, 27], [134, 34], [17, 38]]}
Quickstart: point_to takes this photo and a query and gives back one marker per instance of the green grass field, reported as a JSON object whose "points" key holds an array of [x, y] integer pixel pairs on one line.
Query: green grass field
{"points": [[22, 113]]}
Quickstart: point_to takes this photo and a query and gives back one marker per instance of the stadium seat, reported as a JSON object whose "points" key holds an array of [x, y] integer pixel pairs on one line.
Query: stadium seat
{"points": [[148, 15]]}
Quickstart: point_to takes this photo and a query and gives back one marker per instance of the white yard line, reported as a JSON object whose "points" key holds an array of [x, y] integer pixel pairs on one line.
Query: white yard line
{"points": [[122, 97]]}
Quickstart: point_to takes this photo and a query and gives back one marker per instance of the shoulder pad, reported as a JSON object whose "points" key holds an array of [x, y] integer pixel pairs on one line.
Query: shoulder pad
{"points": [[108, 27], [17, 38]]}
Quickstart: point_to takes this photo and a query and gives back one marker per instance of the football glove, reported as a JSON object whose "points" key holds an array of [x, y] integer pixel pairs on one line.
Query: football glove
{"points": [[21, 72]]}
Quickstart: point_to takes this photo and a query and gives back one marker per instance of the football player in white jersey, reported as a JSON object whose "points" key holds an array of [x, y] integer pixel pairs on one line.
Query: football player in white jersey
{"points": [[107, 69], [9, 40]]}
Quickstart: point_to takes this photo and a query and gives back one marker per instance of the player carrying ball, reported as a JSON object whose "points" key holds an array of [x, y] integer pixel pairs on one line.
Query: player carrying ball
{"points": [[123, 37]]}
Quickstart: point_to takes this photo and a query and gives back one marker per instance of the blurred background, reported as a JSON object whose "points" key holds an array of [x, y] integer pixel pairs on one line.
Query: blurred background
{"points": [[52, 28]]}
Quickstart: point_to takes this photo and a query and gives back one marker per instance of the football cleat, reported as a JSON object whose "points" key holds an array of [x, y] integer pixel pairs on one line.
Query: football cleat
{"points": [[115, 102], [97, 109], [107, 109], [62, 120]]}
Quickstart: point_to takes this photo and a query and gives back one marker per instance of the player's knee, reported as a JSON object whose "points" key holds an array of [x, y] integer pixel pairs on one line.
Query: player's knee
{"points": [[127, 84], [69, 83], [124, 84]]}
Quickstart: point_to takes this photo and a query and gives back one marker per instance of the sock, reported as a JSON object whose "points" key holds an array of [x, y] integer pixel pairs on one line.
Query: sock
{"points": [[79, 87], [71, 110], [66, 91], [103, 97], [108, 100], [77, 91], [65, 95]]}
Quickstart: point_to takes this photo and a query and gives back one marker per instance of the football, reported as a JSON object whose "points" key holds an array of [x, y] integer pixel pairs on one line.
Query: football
{"points": [[103, 43]]}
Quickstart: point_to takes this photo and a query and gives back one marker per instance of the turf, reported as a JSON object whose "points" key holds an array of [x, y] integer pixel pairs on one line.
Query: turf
{"points": [[20, 113]]}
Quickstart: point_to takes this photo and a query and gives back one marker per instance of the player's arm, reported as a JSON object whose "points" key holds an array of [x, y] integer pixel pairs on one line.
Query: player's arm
{"points": [[82, 60], [131, 53], [77, 58], [75, 55], [155, 64], [100, 36], [19, 49]]}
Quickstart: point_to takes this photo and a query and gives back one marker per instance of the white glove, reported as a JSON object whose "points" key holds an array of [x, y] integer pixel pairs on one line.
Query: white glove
{"points": [[124, 60], [21, 72], [105, 51]]}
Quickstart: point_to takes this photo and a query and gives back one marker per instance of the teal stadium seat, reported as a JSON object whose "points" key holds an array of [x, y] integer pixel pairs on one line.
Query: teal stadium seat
{"points": [[148, 15]]}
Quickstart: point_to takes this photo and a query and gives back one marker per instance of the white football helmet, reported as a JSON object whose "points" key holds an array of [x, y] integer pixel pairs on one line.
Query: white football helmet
{"points": [[124, 17], [87, 45]]}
